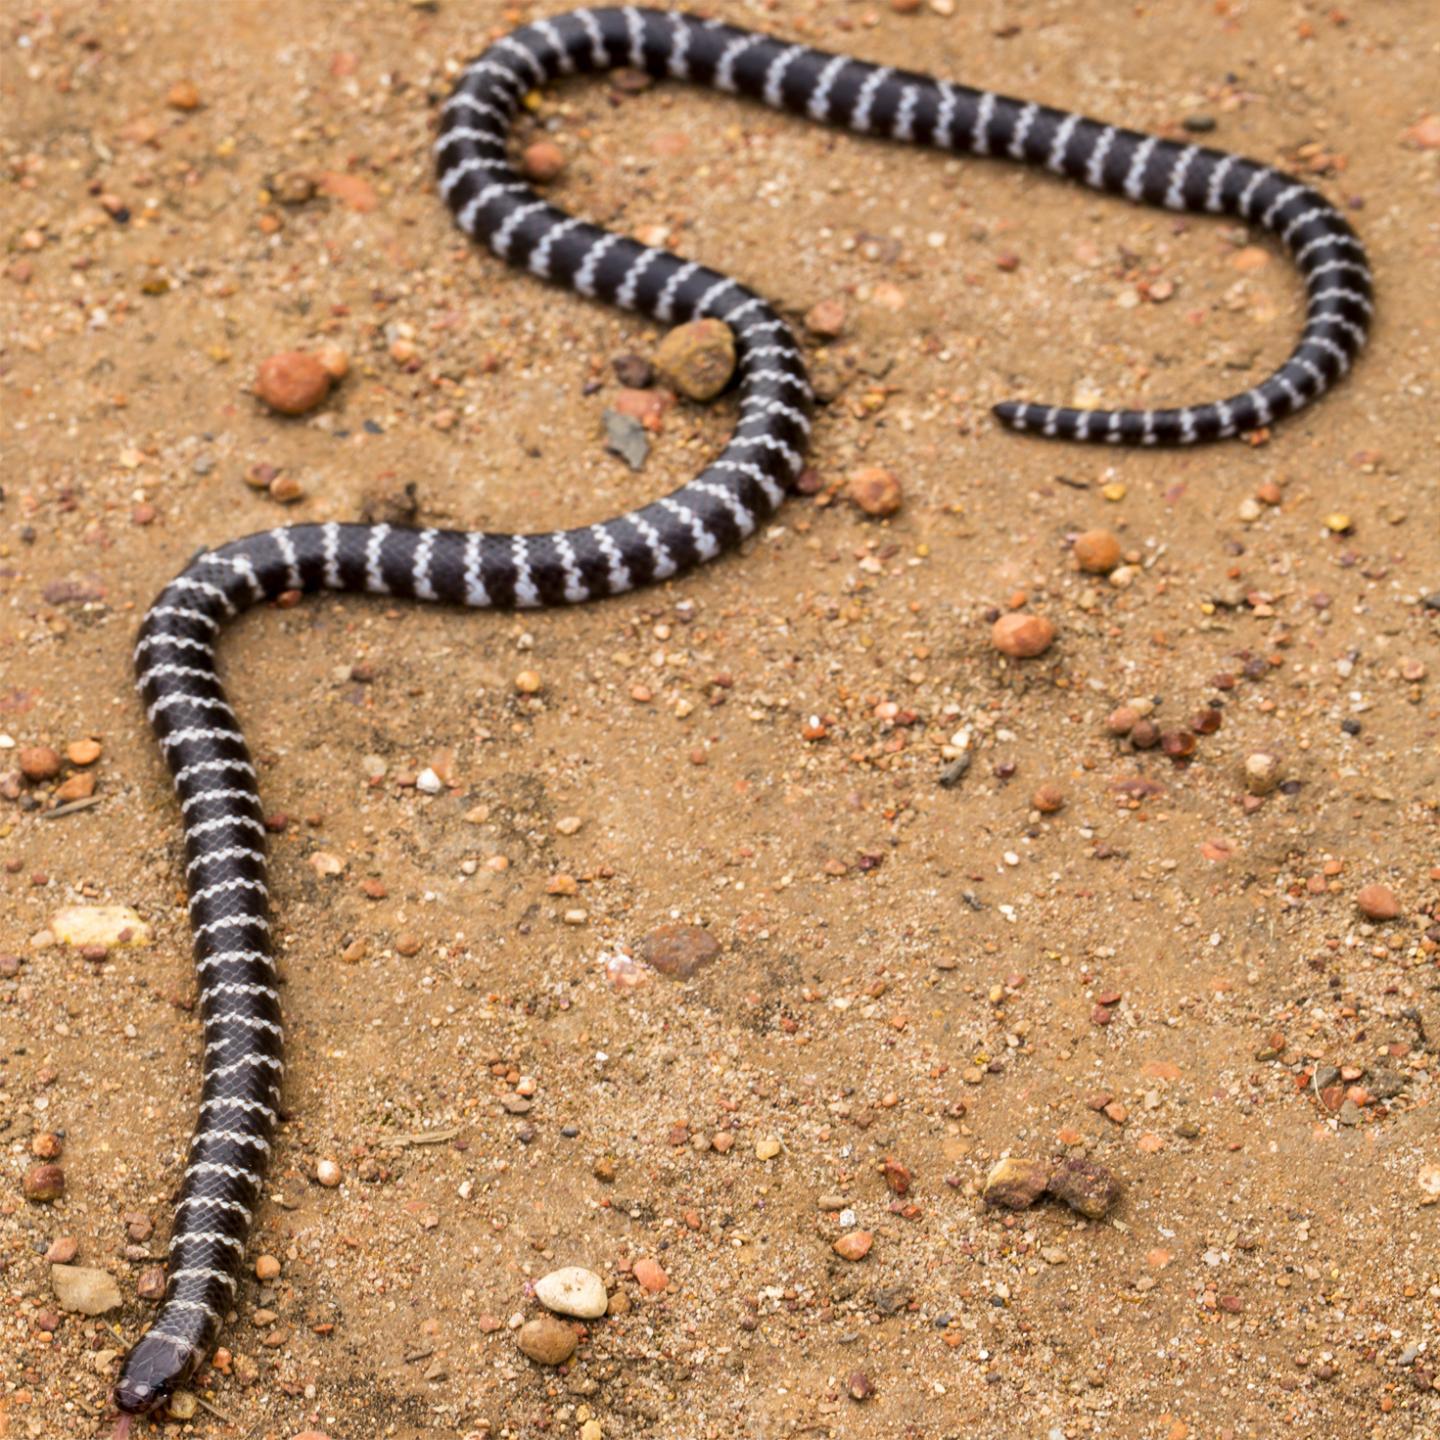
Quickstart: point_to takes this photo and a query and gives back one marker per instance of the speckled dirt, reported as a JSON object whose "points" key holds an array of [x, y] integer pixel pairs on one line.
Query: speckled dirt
{"points": [[906, 970]]}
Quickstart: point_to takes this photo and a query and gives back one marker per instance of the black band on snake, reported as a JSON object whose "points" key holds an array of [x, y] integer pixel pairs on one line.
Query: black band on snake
{"points": [[727, 501]]}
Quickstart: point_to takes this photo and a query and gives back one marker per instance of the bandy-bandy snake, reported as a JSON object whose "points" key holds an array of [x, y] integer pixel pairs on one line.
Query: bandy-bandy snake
{"points": [[725, 503]]}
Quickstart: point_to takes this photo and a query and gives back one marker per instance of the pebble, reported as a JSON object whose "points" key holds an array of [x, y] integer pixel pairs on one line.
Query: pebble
{"points": [[85, 1290], [634, 372], [547, 1341], [151, 1283], [327, 1172], [63, 1249], [267, 1267], [875, 491], [625, 436], [293, 382], [107, 925], [650, 1276], [679, 951], [1087, 1188], [1429, 1182], [860, 1387], [542, 161], [183, 96], [1048, 799], [767, 1148], [1262, 771], [854, 1246], [43, 1183], [1015, 1183], [698, 358], [1378, 902], [1022, 637], [1097, 552], [39, 762], [573, 1291], [82, 752], [527, 682], [826, 319]]}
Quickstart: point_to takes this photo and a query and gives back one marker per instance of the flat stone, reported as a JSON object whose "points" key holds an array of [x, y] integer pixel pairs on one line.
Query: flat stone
{"points": [[107, 925], [679, 950], [85, 1290], [573, 1291]]}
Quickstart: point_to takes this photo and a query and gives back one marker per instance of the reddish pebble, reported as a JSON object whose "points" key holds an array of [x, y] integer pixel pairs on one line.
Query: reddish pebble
{"points": [[875, 491], [1378, 902], [43, 1183], [293, 382], [39, 762], [650, 1276], [1122, 720], [1097, 552], [183, 96], [854, 1246], [1022, 637], [1048, 799], [46, 1145], [63, 1249], [826, 319], [543, 161], [83, 752], [267, 1267]]}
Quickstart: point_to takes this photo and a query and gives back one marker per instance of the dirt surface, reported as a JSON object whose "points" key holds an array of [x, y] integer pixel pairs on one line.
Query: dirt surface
{"points": [[933, 975]]}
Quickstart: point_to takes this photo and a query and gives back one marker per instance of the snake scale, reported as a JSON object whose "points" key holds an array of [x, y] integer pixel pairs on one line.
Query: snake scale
{"points": [[734, 494]]}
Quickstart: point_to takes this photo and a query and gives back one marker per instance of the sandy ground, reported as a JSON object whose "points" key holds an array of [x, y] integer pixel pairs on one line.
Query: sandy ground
{"points": [[905, 970]]}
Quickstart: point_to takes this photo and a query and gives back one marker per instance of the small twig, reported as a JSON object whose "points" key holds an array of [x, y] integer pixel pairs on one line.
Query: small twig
{"points": [[71, 808], [215, 1410], [420, 1137], [415, 1355], [1073, 484]]}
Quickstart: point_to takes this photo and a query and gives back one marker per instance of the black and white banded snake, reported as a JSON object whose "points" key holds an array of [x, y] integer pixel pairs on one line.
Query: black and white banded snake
{"points": [[734, 495]]}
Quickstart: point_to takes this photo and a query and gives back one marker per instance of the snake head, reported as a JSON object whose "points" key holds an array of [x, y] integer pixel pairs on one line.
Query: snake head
{"points": [[149, 1377]]}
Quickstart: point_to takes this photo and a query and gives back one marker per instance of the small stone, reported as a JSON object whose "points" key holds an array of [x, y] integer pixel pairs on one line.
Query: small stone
{"points": [[854, 1246], [634, 372], [1262, 771], [650, 1276], [860, 1387], [1022, 637], [698, 358], [43, 1184], [46, 1145], [183, 96], [679, 951], [573, 1291], [151, 1283], [1015, 1183], [547, 1341], [1122, 720], [1048, 799], [77, 787], [767, 1148], [82, 752], [85, 1290], [1429, 1182], [292, 383], [267, 1268], [1378, 902], [605, 1169], [292, 188], [625, 436], [327, 1172], [875, 491], [107, 925], [826, 319], [527, 682], [1338, 523], [39, 762], [542, 161], [1087, 1188], [1097, 552], [63, 1249]]}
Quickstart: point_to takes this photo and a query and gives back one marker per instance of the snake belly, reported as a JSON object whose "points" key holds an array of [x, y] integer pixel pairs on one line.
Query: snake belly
{"points": [[735, 494]]}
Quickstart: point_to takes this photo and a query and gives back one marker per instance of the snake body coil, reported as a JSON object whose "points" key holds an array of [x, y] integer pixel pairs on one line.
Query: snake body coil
{"points": [[732, 496]]}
